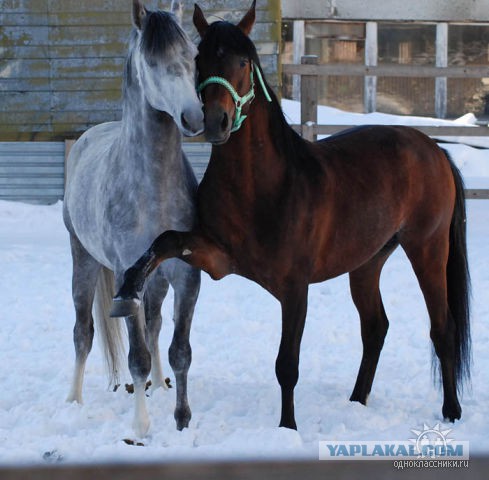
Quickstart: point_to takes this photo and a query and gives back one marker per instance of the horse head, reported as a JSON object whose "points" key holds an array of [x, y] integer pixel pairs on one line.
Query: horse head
{"points": [[227, 65], [163, 57]]}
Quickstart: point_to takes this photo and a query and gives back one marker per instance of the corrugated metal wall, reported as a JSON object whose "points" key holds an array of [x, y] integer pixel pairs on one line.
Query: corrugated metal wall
{"points": [[61, 60], [33, 172]]}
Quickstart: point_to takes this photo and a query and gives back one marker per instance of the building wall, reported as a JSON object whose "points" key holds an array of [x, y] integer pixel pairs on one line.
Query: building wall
{"points": [[61, 61]]}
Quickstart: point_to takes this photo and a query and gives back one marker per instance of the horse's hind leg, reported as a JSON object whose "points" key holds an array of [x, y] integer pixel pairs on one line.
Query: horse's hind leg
{"points": [[153, 298], [186, 285], [85, 272], [429, 261], [364, 286]]}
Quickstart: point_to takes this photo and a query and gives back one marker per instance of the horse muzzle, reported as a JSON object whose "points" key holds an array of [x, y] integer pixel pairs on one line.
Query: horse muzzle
{"points": [[217, 125], [192, 122]]}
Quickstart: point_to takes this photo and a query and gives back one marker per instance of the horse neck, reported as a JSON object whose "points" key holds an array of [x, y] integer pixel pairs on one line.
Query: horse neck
{"points": [[148, 134], [252, 150]]}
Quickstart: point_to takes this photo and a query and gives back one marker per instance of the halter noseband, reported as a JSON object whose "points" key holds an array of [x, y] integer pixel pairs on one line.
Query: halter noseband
{"points": [[239, 118]]}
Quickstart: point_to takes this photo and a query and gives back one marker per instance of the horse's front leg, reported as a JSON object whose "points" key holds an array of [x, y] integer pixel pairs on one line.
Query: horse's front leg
{"points": [[127, 300], [294, 308], [191, 247]]}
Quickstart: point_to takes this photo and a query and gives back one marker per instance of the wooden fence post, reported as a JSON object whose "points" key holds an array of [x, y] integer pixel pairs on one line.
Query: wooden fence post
{"points": [[371, 54], [308, 131], [309, 95], [299, 47], [441, 61]]}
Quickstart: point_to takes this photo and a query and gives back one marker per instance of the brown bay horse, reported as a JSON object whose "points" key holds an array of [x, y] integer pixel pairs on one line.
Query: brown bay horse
{"points": [[286, 213]]}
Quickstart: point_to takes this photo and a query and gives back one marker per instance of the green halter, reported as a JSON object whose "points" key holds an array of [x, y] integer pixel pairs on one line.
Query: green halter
{"points": [[239, 118]]}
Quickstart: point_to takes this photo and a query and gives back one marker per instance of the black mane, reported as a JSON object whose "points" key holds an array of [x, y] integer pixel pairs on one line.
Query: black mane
{"points": [[227, 37], [161, 34]]}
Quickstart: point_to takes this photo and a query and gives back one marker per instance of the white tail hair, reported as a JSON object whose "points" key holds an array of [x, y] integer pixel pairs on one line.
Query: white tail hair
{"points": [[109, 329]]}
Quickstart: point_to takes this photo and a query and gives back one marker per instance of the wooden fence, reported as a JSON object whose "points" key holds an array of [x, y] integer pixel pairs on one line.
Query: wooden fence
{"points": [[309, 71]]}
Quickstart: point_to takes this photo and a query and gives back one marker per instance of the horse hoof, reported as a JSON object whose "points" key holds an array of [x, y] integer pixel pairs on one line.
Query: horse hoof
{"points": [[359, 398], [452, 412], [124, 307], [134, 443], [182, 418], [288, 424]]}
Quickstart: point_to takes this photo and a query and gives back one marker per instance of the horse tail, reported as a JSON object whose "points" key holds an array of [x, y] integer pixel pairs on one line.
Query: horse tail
{"points": [[109, 329], [458, 281]]}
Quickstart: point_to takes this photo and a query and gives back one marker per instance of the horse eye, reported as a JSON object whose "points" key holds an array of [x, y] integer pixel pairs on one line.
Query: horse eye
{"points": [[242, 63], [175, 69]]}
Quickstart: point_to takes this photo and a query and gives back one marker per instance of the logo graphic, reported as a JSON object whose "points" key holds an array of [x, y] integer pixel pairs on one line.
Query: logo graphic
{"points": [[430, 445], [431, 442]]}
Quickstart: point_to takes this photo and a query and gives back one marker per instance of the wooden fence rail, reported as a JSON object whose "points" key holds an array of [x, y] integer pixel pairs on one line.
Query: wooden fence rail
{"points": [[357, 70], [309, 71]]}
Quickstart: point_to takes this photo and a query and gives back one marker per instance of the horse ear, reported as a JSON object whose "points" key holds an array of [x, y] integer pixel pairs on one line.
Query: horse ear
{"points": [[199, 20], [138, 13], [177, 10], [247, 22]]}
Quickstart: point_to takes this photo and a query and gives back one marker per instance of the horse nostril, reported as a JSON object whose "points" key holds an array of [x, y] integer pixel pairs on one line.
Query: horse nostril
{"points": [[184, 122], [225, 121]]}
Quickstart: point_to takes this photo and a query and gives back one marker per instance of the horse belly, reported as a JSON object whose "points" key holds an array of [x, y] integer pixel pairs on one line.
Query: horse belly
{"points": [[110, 210], [404, 195], [354, 232], [348, 252]]}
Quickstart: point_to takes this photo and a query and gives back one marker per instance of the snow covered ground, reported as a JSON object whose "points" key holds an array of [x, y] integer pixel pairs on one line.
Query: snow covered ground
{"points": [[234, 395]]}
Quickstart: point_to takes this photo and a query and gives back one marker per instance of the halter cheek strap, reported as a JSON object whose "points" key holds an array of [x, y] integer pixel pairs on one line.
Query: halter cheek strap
{"points": [[239, 118]]}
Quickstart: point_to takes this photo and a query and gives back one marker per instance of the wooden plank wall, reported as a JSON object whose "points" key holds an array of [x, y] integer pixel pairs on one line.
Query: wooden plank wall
{"points": [[61, 61], [61, 66], [266, 33]]}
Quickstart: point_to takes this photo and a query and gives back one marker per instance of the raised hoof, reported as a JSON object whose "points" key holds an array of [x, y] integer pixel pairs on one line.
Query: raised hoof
{"points": [[124, 307]]}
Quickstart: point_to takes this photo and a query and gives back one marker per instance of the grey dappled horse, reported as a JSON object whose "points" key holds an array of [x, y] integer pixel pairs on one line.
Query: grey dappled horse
{"points": [[127, 182]]}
